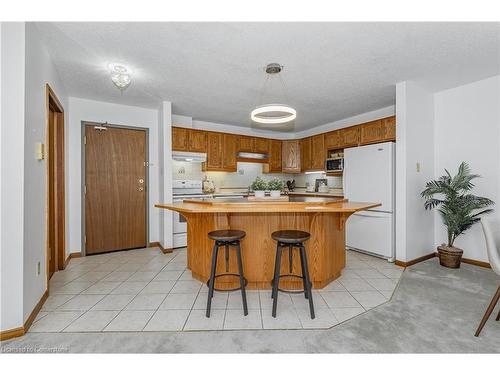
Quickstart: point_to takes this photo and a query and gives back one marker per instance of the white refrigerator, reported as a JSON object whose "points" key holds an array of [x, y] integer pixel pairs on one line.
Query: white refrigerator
{"points": [[369, 175]]}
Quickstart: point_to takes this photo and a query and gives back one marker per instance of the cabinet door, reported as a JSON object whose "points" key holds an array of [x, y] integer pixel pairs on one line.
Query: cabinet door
{"points": [[197, 141], [372, 132], [349, 137], [332, 140], [389, 125], [179, 139], [245, 143], [318, 152], [214, 151], [261, 145], [291, 157], [275, 156], [229, 149], [305, 154]]}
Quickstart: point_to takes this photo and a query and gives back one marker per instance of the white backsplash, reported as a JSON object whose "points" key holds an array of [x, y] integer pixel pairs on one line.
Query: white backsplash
{"points": [[247, 172]]}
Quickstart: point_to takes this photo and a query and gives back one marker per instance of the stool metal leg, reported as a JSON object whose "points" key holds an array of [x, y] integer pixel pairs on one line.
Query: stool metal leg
{"points": [[211, 283], [308, 281], [275, 266], [303, 274], [276, 280], [242, 279]]}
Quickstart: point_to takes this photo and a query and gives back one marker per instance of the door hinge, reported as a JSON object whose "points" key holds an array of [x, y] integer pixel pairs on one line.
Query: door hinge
{"points": [[85, 140], [85, 239], [84, 189], [146, 163]]}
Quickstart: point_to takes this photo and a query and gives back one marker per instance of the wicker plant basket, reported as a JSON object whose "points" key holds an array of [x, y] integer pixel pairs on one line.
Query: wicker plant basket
{"points": [[449, 256]]}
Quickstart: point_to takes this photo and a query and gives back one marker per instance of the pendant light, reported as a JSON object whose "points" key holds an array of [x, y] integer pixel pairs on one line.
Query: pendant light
{"points": [[273, 114]]}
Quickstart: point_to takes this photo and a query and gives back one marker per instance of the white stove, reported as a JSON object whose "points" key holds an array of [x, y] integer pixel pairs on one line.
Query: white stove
{"points": [[184, 189]]}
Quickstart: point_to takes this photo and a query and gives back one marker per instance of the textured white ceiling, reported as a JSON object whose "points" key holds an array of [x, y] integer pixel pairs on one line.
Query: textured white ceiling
{"points": [[214, 71]]}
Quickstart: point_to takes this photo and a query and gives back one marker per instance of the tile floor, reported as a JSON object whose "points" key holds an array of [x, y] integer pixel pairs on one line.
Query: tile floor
{"points": [[145, 290]]}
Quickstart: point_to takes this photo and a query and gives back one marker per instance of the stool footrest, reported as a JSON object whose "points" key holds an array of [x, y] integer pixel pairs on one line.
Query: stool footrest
{"points": [[299, 291], [230, 289]]}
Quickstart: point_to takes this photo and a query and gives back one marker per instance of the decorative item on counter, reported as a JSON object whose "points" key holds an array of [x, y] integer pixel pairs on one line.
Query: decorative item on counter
{"points": [[276, 185], [208, 186], [457, 207], [309, 188], [259, 187], [323, 188], [319, 182], [290, 185]]}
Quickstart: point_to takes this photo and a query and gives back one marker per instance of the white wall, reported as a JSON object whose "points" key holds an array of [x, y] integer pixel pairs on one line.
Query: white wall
{"points": [[166, 217], [39, 71], [116, 114], [414, 144], [467, 128], [12, 79]]}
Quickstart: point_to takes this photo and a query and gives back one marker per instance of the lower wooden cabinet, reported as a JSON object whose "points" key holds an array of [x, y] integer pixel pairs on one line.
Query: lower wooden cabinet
{"points": [[291, 156]]}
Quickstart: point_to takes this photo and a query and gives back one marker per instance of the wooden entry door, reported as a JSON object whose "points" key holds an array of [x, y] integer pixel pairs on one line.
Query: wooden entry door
{"points": [[115, 189]]}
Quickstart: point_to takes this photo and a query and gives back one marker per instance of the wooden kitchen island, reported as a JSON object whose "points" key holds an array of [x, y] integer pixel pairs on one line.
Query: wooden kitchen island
{"points": [[323, 218]]}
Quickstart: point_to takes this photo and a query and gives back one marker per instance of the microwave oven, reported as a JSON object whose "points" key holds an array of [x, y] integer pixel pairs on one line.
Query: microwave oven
{"points": [[334, 164]]}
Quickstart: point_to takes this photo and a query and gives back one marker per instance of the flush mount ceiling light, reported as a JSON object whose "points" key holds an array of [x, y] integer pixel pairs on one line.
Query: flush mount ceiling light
{"points": [[120, 76], [273, 114]]}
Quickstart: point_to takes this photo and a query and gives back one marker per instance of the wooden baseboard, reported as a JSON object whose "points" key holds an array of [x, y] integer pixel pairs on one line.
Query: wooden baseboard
{"points": [[476, 262], [415, 261], [11, 333], [163, 250], [71, 255], [35, 311]]}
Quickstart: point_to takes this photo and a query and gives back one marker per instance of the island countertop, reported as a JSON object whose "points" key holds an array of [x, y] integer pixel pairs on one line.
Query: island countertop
{"points": [[323, 218]]}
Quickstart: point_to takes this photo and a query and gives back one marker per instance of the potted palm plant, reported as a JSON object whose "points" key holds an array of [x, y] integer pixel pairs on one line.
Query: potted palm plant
{"points": [[259, 187], [459, 209], [275, 186]]}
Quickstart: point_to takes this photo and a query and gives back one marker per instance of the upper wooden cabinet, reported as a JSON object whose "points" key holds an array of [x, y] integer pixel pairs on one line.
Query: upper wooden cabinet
{"points": [[291, 156], [214, 152], [371, 132], [332, 140], [305, 154], [197, 140], [349, 137], [389, 125], [179, 139], [229, 150], [245, 143], [275, 156], [318, 154], [261, 145]]}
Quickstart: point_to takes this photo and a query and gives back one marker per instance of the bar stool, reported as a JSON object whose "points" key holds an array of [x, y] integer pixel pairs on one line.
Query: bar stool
{"points": [[291, 239], [226, 238]]}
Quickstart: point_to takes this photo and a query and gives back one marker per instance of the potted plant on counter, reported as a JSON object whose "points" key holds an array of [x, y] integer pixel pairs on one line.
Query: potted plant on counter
{"points": [[458, 208], [259, 187], [276, 186]]}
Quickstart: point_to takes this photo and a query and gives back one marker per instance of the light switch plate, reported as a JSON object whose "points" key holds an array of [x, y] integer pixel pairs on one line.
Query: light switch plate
{"points": [[39, 151], [418, 167]]}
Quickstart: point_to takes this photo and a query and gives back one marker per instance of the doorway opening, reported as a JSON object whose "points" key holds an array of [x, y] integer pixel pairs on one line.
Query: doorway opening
{"points": [[114, 188], [55, 183]]}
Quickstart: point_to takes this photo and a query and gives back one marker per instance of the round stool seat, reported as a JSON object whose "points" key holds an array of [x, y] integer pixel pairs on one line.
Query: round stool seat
{"points": [[290, 236], [226, 235]]}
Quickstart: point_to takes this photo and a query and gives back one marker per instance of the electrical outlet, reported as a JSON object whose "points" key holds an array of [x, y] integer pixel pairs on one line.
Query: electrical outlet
{"points": [[38, 269], [418, 167], [241, 172]]}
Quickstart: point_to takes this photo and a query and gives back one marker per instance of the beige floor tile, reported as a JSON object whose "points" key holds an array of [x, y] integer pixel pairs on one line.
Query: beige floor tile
{"points": [[55, 321], [129, 320], [387, 293], [334, 286], [266, 302], [300, 302], [168, 320], [94, 276], [234, 301], [81, 302], [155, 287], [392, 272], [74, 287], [219, 300], [235, 319], [102, 287], [356, 285], [324, 318], [186, 286], [369, 299], [382, 284], [371, 273], [174, 267], [107, 267], [56, 300], [179, 301], [130, 287], [339, 299], [286, 318], [197, 320], [40, 315], [92, 321], [168, 275], [157, 267], [143, 276], [118, 276], [129, 267], [146, 302], [345, 313], [114, 302]]}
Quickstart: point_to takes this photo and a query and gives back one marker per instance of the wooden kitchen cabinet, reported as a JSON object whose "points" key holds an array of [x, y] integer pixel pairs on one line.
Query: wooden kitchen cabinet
{"points": [[261, 145], [245, 143], [318, 154], [305, 154], [371, 132], [290, 156], [275, 156], [349, 137], [332, 140], [197, 140], [214, 152], [389, 125], [229, 150], [179, 139]]}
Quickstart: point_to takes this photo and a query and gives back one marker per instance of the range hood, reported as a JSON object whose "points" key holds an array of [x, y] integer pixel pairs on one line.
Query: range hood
{"points": [[197, 157], [252, 156]]}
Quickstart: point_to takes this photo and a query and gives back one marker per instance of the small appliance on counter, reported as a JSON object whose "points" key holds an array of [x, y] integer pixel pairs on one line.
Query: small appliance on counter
{"points": [[321, 183], [309, 188]]}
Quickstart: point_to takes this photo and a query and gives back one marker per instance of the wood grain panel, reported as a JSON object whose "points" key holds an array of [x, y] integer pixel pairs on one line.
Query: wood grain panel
{"points": [[179, 139], [245, 143], [318, 155], [229, 149], [197, 140], [332, 140], [275, 154], [349, 137], [305, 154], [214, 151], [371, 132], [389, 125], [261, 145], [291, 156], [115, 205]]}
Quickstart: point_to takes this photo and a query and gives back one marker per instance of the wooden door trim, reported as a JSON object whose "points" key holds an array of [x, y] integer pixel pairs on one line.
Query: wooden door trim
{"points": [[52, 103], [82, 185]]}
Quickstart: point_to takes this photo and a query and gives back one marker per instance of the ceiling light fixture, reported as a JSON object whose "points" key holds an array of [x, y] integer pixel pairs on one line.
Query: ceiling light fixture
{"points": [[120, 76], [273, 114]]}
